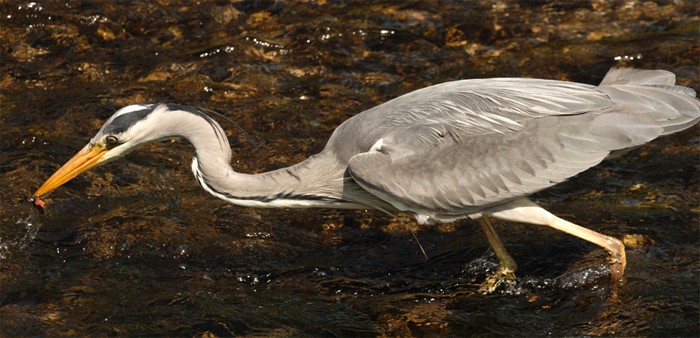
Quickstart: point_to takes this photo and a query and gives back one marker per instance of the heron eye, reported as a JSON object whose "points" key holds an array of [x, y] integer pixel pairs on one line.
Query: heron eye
{"points": [[111, 141]]}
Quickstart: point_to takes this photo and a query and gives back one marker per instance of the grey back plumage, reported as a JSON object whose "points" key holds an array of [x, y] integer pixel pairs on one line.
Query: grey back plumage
{"points": [[463, 146]]}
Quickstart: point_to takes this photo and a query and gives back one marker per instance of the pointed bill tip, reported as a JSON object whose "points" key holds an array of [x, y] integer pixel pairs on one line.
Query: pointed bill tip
{"points": [[85, 159]]}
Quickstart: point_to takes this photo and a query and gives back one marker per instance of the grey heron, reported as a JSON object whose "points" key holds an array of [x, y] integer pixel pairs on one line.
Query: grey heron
{"points": [[463, 149]]}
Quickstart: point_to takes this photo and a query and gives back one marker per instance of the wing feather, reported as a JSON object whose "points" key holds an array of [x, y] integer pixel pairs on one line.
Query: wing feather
{"points": [[466, 108], [462, 175]]}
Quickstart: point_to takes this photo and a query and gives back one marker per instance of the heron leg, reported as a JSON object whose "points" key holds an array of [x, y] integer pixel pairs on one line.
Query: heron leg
{"points": [[526, 211], [506, 264]]}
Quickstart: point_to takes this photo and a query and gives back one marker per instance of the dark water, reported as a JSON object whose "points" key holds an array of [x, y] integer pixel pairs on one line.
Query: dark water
{"points": [[135, 248]]}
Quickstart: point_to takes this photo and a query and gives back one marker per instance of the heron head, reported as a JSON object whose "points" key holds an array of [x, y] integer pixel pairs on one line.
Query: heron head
{"points": [[129, 128]]}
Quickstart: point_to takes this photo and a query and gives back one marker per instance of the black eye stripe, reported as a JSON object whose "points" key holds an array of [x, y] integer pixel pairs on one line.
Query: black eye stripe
{"points": [[124, 122]]}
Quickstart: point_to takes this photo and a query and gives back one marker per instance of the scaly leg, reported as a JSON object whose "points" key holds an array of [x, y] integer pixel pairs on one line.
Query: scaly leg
{"points": [[506, 264], [526, 211]]}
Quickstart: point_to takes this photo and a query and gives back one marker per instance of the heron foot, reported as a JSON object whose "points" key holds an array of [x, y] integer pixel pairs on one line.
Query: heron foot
{"points": [[502, 278], [617, 261]]}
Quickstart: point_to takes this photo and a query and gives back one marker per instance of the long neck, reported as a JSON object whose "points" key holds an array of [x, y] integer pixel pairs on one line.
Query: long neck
{"points": [[317, 182]]}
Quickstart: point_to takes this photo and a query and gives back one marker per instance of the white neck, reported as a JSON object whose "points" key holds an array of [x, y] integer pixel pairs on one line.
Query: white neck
{"points": [[317, 182]]}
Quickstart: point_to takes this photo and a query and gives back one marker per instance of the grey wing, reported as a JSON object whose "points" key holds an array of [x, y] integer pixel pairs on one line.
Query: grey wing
{"points": [[470, 107], [446, 166], [492, 105]]}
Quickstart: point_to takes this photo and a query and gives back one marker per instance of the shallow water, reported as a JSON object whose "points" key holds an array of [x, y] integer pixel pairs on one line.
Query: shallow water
{"points": [[135, 248]]}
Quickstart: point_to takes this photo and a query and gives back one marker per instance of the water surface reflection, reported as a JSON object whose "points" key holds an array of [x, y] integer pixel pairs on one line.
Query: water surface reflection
{"points": [[136, 248]]}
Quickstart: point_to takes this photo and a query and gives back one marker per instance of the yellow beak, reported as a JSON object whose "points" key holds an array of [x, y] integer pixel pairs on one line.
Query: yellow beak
{"points": [[82, 161]]}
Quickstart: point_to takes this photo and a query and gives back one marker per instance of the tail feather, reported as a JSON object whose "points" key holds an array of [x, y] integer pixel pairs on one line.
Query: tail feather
{"points": [[653, 93], [619, 76], [680, 89]]}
